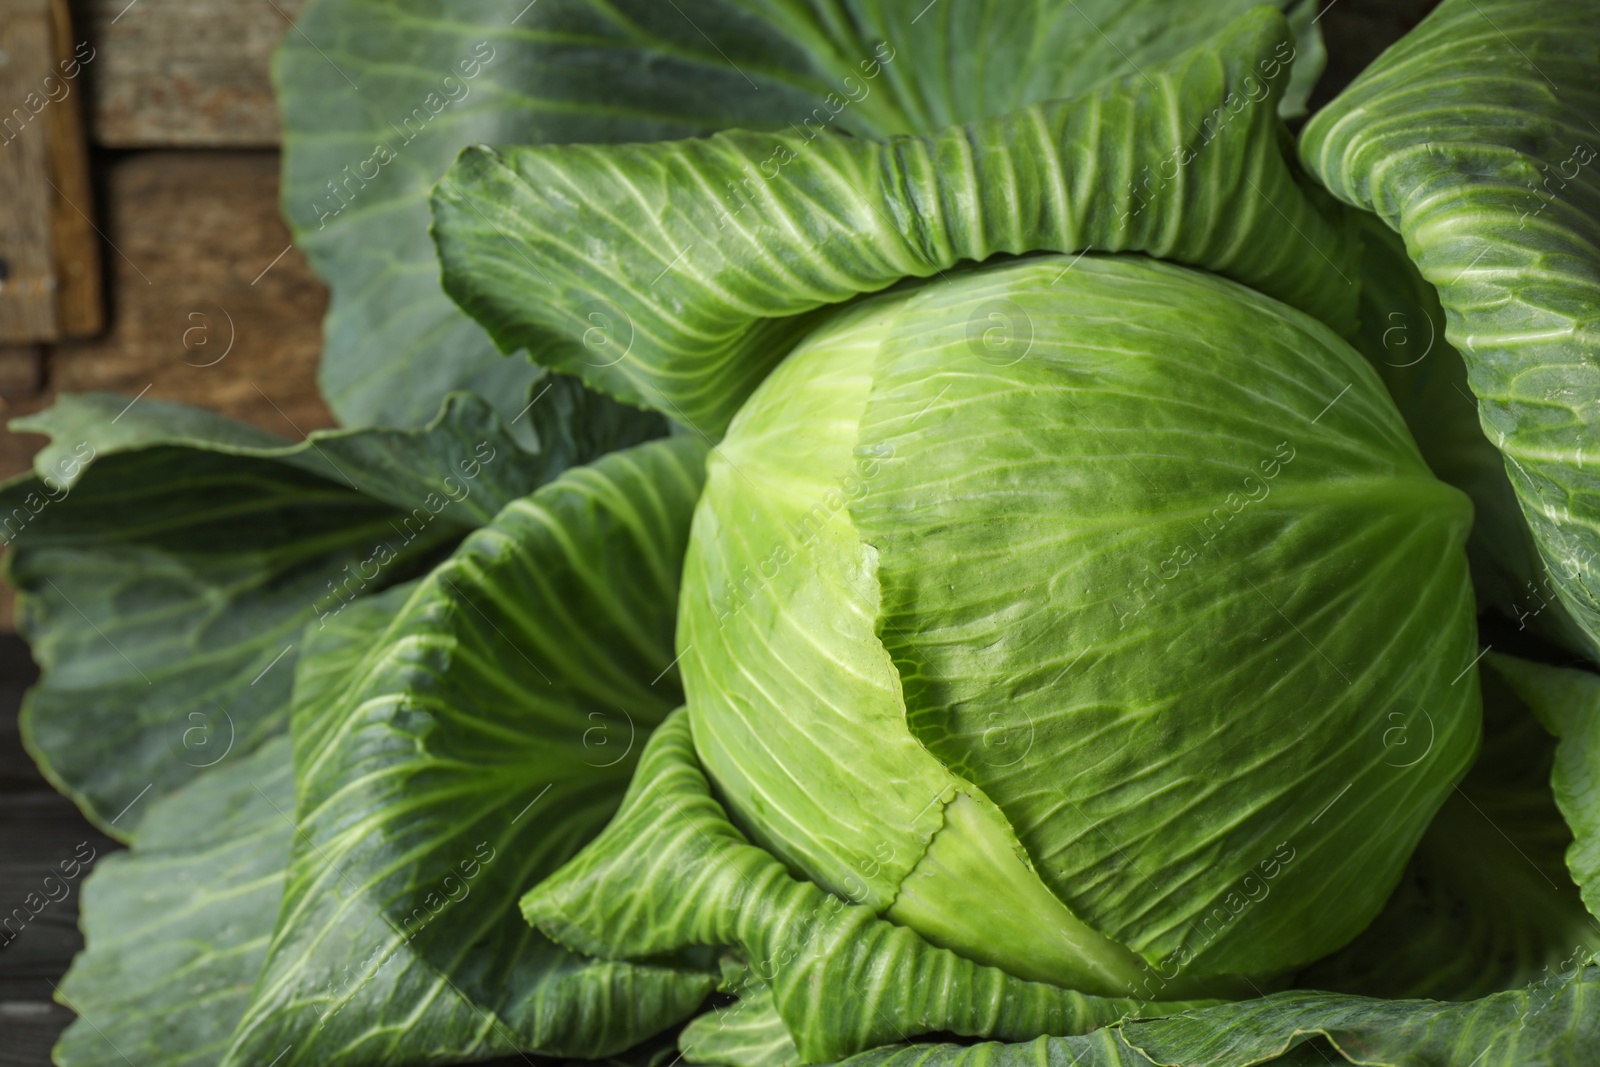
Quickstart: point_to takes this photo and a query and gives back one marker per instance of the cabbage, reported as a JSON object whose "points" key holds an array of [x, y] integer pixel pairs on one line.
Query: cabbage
{"points": [[1053, 650], [1005, 552]]}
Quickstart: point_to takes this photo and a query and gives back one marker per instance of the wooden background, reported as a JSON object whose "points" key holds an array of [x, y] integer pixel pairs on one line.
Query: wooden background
{"points": [[182, 133]]}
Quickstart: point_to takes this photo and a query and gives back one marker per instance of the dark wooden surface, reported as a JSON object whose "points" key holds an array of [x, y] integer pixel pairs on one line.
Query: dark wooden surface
{"points": [[39, 829]]}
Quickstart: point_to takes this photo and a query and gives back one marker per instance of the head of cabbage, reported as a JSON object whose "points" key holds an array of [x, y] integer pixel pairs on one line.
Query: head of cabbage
{"points": [[1096, 618]]}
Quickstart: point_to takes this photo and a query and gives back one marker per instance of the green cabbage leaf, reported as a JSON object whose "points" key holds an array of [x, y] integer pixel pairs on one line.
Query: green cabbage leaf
{"points": [[176, 929], [378, 99], [454, 738], [166, 560], [674, 275], [481, 736], [1474, 139]]}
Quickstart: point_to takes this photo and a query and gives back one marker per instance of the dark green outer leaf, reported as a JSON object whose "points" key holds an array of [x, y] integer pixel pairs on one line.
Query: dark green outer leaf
{"points": [[176, 929], [164, 583], [371, 121], [1476, 138], [1567, 702], [566, 425], [378, 98], [962, 60], [164, 598], [671, 274], [478, 741]]}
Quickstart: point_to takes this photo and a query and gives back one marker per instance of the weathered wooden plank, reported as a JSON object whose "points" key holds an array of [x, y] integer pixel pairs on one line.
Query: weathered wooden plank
{"points": [[21, 371], [184, 72], [211, 303], [27, 261], [75, 242], [49, 252]]}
